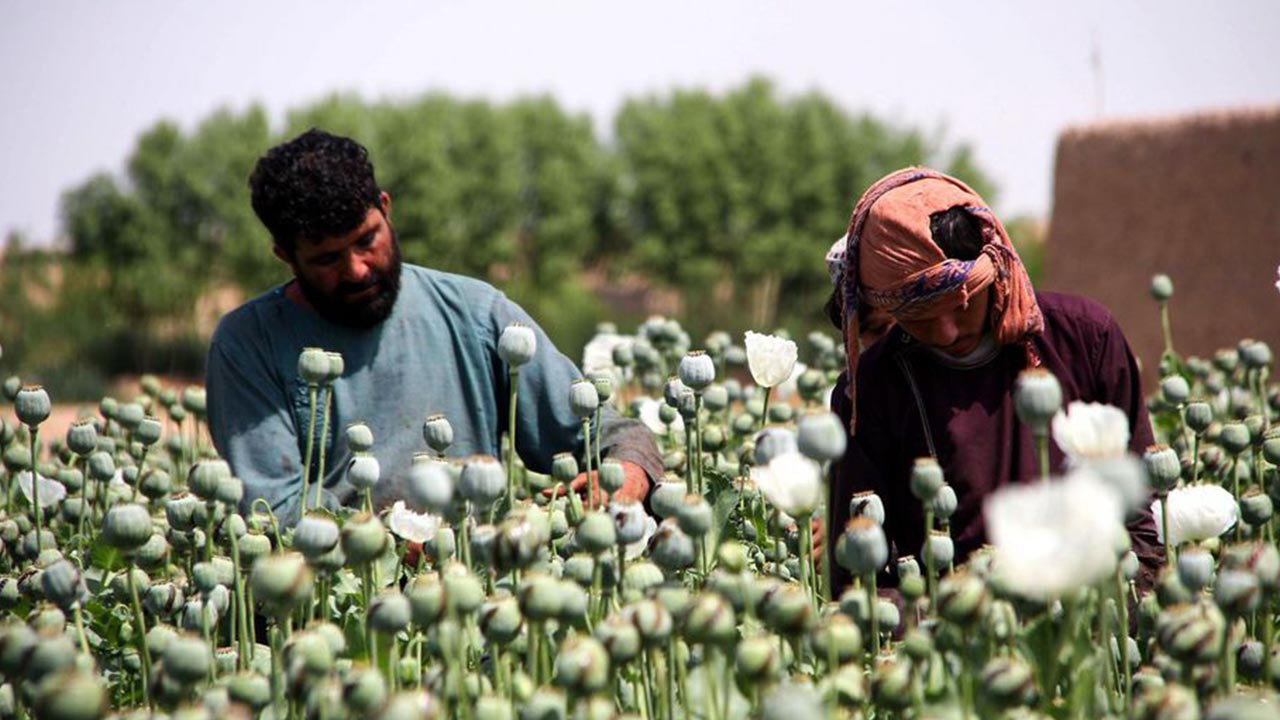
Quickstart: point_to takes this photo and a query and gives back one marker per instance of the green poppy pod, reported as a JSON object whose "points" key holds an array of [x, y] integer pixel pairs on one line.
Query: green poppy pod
{"points": [[364, 539], [426, 599], [670, 547], [313, 365], [603, 381], [1234, 437], [709, 619], [463, 591], [612, 475], [619, 637], [757, 659], [1163, 466], [429, 483], [127, 526], [315, 534], [32, 405], [838, 637], [389, 612], [501, 621], [281, 582], [926, 478], [483, 480], [336, 366], [63, 585], [1008, 682], [438, 433], [564, 467], [1037, 397], [364, 690], [697, 370], [12, 385], [130, 416], [517, 345], [582, 665], [584, 400], [596, 533], [821, 437], [82, 437], [359, 437], [250, 689], [1161, 287], [187, 659], [71, 694], [862, 548], [204, 477], [694, 515], [363, 471], [653, 622]]}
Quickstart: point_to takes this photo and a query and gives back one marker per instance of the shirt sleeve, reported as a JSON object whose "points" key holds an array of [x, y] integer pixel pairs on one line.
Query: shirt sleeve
{"points": [[545, 422], [253, 428], [1119, 384]]}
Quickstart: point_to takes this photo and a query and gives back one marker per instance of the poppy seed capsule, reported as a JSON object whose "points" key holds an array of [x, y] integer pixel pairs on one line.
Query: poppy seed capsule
{"points": [[280, 582], [757, 658], [1163, 467], [926, 478], [82, 437], [1161, 287], [363, 539], [619, 637], [336, 366], [126, 526], [652, 621], [667, 498], [1256, 354], [582, 665], [1255, 507], [1175, 390], [862, 548], [1037, 397], [596, 533], [867, 504], [426, 599], [313, 365], [694, 515], [1008, 682], [1236, 592], [821, 437], [1195, 568], [63, 585], [130, 415], [315, 535], [612, 475], [430, 484], [962, 598], [359, 437], [670, 547], [1234, 437], [363, 471], [186, 659], [204, 477], [462, 591], [71, 694], [697, 370], [438, 433], [604, 385], [517, 345], [583, 398], [389, 612], [32, 405], [564, 467], [483, 480], [1199, 415], [944, 503]]}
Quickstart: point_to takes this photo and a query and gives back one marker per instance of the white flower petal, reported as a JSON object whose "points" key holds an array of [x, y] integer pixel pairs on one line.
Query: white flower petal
{"points": [[597, 355], [648, 412], [791, 482], [412, 526], [1090, 431], [637, 548], [770, 358], [1196, 512], [51, 491], [1053, 537]]}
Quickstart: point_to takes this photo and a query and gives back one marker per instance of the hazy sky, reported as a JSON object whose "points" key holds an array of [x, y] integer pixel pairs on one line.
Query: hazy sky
{"points": [[79, 80]]}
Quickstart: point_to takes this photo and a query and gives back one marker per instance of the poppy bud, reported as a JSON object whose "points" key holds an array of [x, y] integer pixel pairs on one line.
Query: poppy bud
{"points": [[1175, 390], [359, 437], [962, 598], [1255, 354], [426, 599], [462, 590], [63, 585], [1008, 682], [363, 690], [313, 365], [363, 539], [667, 497], [652, 621], [564, 467], [619, 637], [517, 345], [596, 533], [1195, 568], [1236, 592], [1255, 507], [315, 535], [71, 694], [204, 478], [336, 366], [1234, 437], [1199, 415], [281, 582], [670, 548], [867, 504]]}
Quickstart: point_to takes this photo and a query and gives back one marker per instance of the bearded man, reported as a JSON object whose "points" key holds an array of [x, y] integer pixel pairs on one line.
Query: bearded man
{"points": [[928, 251], [414, 341]]}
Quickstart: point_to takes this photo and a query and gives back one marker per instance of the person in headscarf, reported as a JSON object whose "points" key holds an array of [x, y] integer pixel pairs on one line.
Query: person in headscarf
{"points": [[925, 249]]}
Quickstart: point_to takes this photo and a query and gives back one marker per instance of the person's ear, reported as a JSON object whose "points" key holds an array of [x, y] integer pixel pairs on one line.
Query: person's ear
{"points": [[384, 204], [283, 255]]}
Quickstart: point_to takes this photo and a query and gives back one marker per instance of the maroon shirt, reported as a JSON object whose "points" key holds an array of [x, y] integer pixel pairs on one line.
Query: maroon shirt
{"points": [[970, 426]]}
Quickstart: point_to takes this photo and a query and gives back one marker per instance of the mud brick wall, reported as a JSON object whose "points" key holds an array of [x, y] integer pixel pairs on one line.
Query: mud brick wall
{"points": [[1196, 197]]}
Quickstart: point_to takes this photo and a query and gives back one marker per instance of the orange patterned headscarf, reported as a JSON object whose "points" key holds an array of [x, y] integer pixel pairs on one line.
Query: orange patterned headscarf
{"points": [[893, 263]]}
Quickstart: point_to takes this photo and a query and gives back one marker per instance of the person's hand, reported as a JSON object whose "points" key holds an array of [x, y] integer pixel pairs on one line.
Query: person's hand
{"points": [[819, 540], [635, 487]]}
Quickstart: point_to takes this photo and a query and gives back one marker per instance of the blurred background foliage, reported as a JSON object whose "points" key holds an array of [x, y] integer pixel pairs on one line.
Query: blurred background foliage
{"points": [[716, 208]]}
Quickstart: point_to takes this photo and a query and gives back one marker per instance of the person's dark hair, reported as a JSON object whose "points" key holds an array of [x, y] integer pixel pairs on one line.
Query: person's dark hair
{"points": [[957, 233], [315, 186]]}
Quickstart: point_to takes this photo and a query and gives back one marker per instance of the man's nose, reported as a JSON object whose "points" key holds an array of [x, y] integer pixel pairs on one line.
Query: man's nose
{"points": [[354, 268]]}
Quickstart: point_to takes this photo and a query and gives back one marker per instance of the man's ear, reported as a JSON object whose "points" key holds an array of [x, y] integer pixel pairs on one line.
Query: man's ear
{"points": [[284, 255], [384, 204]]}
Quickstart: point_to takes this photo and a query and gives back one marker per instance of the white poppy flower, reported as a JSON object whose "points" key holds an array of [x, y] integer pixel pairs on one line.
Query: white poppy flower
{"points": [[787, 387], [647, 409], [1091, 431], [51, 491], [597, 355], [412, 526], [792, 482], [770, 358], [637, 548], [1196, 512], [1053, 537]]}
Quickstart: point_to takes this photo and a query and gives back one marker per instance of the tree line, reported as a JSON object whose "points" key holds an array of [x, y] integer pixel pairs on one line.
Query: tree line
{"points": [[728, 200]]}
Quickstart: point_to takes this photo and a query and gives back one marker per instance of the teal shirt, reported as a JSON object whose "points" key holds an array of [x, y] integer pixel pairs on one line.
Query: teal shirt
{"points": [[435, 353]]}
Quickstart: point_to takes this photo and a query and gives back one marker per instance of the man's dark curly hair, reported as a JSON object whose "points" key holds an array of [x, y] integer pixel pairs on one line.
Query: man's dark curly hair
{"points": [[315, 186]]}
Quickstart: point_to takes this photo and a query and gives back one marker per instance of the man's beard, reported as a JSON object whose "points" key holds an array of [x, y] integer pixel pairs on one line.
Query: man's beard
{"points": [[361, 314]]}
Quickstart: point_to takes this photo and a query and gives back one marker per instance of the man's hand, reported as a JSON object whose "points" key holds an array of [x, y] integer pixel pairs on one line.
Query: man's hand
{"points": [[635, 487]]}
